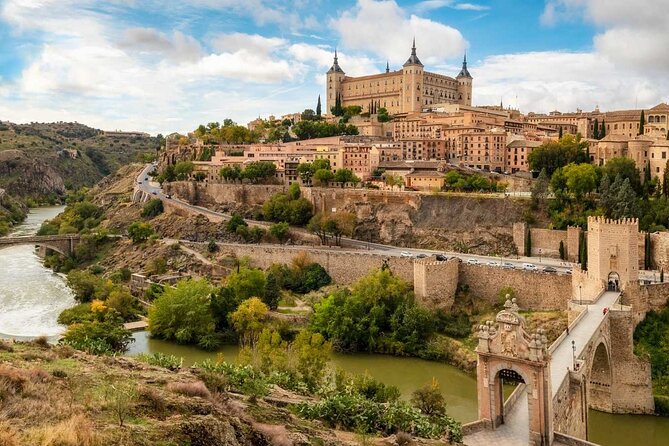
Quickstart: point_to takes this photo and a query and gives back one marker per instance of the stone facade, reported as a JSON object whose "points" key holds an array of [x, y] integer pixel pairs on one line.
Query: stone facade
{"points": [[406, 90], [435, 283], [613, 250]]}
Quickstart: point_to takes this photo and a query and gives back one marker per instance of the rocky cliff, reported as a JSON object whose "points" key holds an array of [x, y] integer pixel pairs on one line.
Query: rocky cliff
{"points": [[22, 176]]}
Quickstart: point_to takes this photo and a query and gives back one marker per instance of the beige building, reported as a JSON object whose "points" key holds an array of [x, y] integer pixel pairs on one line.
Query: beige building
{"points": [[517, 152], [401, 91]]}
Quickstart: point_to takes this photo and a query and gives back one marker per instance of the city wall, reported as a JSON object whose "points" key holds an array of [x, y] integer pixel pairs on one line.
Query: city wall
{"points": [[222, 193], [534, 290]]}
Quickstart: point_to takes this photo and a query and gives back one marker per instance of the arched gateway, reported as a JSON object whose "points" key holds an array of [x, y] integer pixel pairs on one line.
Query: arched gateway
{"points": [[508, 354]]}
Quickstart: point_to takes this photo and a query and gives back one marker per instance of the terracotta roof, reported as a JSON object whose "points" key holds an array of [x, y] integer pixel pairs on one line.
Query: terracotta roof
{"points": [[660, 107], [524, 143], [426, 174]]}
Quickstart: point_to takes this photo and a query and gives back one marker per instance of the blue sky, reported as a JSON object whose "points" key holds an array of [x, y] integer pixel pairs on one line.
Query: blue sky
{"points": [[162, 66]]}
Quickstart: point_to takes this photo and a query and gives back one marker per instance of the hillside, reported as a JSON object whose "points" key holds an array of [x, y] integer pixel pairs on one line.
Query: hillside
{"points": [[69, 155]]}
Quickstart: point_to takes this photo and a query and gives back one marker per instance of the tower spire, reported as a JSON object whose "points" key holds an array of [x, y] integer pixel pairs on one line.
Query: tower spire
{"points": [[464, 72], [387, 67], [413, 59], [335, 65]]}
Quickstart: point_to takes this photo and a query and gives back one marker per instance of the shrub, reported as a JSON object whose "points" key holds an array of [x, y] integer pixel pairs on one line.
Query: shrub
{"points": [[157, 265], [169, 362], [76, 430], [212, 246], [42, 342], [119, 399], [98, 337], [249, 318], [84, 284], [280, 231], [193, 389], [182, 313], [247, 283], [139, 231], [235, 222], [429, 400], [151, 398], [6, 346], [152, 208]]}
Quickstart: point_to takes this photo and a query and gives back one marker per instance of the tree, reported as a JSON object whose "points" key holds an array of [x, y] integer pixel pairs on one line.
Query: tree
{"points": [[665, 180], [98, 337], [318, 107], [560, 133], [305, 171], [323, 176], [247, 283], [382, 115], [182, 314], [337, 109], [583, 251], [321, 163], [528, 244], [308, 114], [223, 302], [561, 250], [626, 168], [539, 191], [259, 170], [248, 320], [272, 292], [429, 400], [595, 129], [152, 208], [84, 284], [647, 258], [555, 154], [602, 130], [123, 303], [183, 169], [139, 231], [581, 179], [642, 123], [345, 176], [280, 231], [230, 173], [235, 222]]}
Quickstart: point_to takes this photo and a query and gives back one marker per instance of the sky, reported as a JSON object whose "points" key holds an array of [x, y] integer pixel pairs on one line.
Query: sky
{"points": [[168, 65]]}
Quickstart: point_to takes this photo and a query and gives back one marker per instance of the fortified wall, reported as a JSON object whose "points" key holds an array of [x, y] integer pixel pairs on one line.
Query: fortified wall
{"points": [[435, 283], [222, 193]]}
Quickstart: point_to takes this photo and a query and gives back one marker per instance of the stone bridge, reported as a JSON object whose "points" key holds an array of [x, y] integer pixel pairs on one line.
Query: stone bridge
{"points": [[590, 366], [63, 244]]}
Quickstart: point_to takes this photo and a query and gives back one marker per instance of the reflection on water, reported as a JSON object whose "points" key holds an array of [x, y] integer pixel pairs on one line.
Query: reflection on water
{"points": [[459, 389], [31, 296]]}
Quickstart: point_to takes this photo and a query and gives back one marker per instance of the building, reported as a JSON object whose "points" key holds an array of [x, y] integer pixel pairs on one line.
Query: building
{"points": [[517, 152], [408, 89]]}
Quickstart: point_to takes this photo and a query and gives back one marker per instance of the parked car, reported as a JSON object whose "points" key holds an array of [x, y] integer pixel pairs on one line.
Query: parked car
{"points": [[168, 196], [529, 267], [154, 193], [406, 254], [508, 265], [549, 269], [493, 263], [441, 257], [567, 271], [421, 256], [473, 262]]}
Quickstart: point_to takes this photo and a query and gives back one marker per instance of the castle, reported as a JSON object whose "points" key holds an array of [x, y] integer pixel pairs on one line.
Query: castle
{"points": [[401, 91]]}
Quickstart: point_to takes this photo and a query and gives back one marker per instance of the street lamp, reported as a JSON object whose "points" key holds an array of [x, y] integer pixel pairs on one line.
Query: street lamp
{"points": [[573, 355], [580, 298]]}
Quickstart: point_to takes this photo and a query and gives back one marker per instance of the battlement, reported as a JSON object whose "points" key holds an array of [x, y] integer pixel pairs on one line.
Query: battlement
{"points": [[631, 223]]}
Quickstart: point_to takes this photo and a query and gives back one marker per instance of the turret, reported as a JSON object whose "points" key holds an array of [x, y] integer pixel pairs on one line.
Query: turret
{"points": [[464, 84], [335, 76], [412, 82]]}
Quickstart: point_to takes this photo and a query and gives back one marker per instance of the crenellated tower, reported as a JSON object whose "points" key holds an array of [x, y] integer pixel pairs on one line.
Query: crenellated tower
{"points": [[465, 81], [412, 80], [335, 77]]}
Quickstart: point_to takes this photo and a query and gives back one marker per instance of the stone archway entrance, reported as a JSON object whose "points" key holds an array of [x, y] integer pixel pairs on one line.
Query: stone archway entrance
{"points": [[599, 380], [507, 352], [613, 283]]}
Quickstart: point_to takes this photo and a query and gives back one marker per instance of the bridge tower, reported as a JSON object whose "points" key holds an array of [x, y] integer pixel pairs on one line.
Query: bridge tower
{"points": [[508, 354], [613, 251]]}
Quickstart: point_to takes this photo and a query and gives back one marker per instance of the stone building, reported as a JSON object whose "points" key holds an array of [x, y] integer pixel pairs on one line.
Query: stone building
{"points": [[400, 91]]}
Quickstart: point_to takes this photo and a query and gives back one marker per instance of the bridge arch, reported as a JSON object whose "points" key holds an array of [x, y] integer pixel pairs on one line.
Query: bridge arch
{"points": [[50, 246], [600, 378], [503, 373], [613, 281]]}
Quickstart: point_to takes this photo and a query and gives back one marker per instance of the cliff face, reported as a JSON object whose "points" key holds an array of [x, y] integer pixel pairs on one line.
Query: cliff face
{"points": [[22, 176]]}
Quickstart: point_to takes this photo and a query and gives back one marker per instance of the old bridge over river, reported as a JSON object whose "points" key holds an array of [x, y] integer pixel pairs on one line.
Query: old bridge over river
{"points": [[63, 244]]}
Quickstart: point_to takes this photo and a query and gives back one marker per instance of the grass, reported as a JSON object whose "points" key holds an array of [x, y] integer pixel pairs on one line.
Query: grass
{"points": [[192, 389]]}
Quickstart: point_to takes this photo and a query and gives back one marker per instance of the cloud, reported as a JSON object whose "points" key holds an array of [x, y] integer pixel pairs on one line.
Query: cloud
{"points": [[550, 80], [385, 29], [253, 43], [634, 32], [322, 58], [429, 5], [178, 48]]}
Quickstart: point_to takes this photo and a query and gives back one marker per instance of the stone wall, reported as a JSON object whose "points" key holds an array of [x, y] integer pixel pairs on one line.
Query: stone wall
{"points": [[345, 267], [659, 249], [222, 193], [519, 235], [329, 200], [435, 283], [584, 286], [534, 290], [570, 416], [546, 242], [631, 385]]}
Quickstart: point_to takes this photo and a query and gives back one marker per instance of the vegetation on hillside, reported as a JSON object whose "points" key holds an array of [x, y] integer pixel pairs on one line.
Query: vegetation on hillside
{"points": [[12, 212], [650, 339]]}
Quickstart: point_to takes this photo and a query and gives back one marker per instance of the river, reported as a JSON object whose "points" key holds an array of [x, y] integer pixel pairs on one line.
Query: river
{"points": [[31, 297]]}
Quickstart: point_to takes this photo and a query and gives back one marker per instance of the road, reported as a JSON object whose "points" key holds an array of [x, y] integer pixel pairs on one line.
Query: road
{"points": [[518, 262]]}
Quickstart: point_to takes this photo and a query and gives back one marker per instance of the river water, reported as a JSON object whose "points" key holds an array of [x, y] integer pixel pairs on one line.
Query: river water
{"points": [[31, 297]]}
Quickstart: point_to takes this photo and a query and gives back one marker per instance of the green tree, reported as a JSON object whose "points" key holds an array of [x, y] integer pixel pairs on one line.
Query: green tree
{"points": [[323, 176], [429, 399], [642, 123], [123, 303], [321, 163], [272, 293], [183, 169], [280, 231], [528, 244], [222, 304], [561, 250], [581, 179], [229, 173], [309, 114], [235, 222], [382, 115], [259, 171], [647, 258], [182, 314], [139, 231], [345, 176], [84, 285], [555, 154], [626, 168], [247, 283], [152, 208], [595, 129], [99, 337], [540, 188], [318, 107], [602, 130], [249, 318], [305, 171]]}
